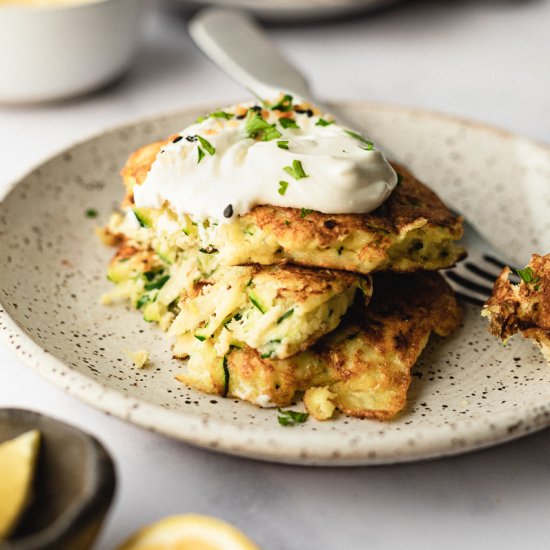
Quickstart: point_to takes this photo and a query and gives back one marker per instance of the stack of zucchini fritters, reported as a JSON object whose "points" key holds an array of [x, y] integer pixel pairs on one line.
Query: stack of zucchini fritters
{"points": [[283, 300]]}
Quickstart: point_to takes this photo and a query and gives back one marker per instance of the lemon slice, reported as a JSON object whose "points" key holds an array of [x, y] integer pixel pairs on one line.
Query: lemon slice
{"points": [[189, 532], [17, 464]]}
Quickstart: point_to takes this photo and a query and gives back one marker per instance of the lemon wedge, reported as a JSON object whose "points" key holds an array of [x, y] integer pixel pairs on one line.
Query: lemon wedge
{"points": [[189, 532], [17, 465]]}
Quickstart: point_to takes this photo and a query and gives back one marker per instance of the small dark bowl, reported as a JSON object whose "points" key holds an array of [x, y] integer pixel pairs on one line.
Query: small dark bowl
{"points": [[74, 485]]}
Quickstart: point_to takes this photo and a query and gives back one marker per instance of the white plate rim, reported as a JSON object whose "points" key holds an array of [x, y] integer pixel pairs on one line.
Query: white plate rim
{"points": [[222, 436]]}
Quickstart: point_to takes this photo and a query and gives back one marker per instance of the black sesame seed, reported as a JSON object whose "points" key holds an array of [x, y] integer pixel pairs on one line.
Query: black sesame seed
{"points": [[307, 112], [256, 108], [228, 211], [330, 224], [240, 117], [175, 140], [191, 138]]}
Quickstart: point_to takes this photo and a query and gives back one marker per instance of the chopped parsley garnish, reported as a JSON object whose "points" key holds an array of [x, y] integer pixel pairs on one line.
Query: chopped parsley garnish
{"points": [[257, 127], [207, 145], [200, 337], [283, 144], [323, 122], [222, 114], [296, 170], [399, 179], [288, 123], [284, 105], [291, 418], [368, 144], [304, 212], [283, 186], [528, 275], [157, 283], [285, 316], [201, 154], [92, 212], [142, 300]]}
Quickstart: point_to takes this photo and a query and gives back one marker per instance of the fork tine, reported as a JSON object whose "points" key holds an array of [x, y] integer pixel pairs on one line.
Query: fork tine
{"points": [[482, 273], [501, 265], [470, 299], [469, 284], [473, 279]]}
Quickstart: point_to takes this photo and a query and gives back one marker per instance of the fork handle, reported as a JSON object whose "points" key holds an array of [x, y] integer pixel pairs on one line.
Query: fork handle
{"points": [[238, 46]]}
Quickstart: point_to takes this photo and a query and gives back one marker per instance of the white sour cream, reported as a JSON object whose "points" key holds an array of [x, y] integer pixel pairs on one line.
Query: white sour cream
{"points": [[343, 173]]}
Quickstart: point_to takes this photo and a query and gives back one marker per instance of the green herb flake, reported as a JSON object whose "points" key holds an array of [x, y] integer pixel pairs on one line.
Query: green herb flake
{"points": [[323, 122], [368, 144], [283, 186], [210, 149], [528, 275], [222, 114], [284, 105], [283, 144], [257, 127], [157, 283], [150, 275], [92, 212], [201, 154], [291, 418], [288, 123], [200, 337], [285, 316], [142, 300], [287, 222], [296, 170], [304, 212], [399, 179]]}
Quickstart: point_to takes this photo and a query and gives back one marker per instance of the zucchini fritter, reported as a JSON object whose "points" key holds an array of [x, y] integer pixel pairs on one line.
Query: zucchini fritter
{"points": [[412, 230], [278, 310], [525, 307], [362, 368]]}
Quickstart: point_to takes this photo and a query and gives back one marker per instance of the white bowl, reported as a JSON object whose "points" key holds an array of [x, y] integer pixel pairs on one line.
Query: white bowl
{"points": [[65, 49]]}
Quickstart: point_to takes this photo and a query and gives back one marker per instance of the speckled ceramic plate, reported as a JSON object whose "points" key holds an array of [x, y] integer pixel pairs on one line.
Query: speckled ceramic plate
{"points": [[468, 390]]}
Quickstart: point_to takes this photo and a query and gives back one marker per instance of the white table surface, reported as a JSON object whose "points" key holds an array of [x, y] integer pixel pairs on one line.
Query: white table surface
{"points": [[488, 60]]}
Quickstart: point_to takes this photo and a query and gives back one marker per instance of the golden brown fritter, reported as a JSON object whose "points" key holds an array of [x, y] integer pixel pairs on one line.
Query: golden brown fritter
{"points": [[412, 230], [525, 307], [362, 368]]}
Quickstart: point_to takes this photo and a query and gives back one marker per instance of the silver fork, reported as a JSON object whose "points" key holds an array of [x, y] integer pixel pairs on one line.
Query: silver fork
{"points": [[234, 42], [473, 279]]}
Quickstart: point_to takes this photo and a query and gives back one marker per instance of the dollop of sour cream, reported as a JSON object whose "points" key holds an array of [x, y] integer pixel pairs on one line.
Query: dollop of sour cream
{"points": [[246, 155]]}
